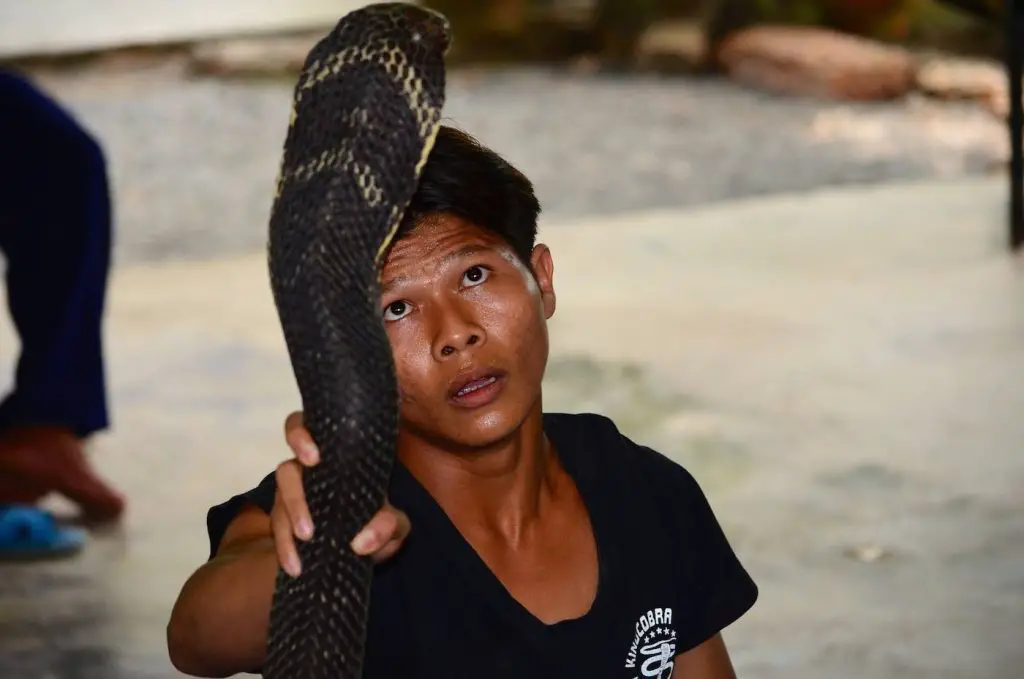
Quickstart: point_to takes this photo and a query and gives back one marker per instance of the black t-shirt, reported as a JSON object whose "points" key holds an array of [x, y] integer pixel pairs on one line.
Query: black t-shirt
{"points": [[668, 578]]}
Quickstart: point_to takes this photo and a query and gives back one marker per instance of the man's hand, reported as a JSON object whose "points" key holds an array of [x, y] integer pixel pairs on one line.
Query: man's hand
{"points": [[381, 538]]}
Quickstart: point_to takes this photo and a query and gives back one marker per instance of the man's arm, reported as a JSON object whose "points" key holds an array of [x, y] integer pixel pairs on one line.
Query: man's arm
{"points": [[219, 623], [710, 660]]}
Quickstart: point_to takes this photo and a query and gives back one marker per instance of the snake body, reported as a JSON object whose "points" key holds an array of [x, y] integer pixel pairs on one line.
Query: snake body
{"points": [[366, 110]]}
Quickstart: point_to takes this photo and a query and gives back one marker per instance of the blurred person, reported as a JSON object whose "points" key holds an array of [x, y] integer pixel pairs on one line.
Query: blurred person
{"points": [[55, 237], [526, 544]]}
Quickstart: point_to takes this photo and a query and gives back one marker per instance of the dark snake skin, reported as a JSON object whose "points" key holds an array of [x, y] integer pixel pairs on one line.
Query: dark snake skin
{"points": [[366, 112]]}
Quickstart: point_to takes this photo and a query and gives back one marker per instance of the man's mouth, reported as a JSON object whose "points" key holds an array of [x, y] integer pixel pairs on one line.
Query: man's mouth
{"points": [[468, 384], [476, 384]]}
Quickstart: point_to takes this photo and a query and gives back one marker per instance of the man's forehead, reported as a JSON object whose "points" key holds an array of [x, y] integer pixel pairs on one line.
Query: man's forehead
{"points": [[444, 239]]}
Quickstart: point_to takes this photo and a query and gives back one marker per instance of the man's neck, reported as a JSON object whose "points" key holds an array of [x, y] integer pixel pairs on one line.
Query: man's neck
{"points": [[502, 489]]}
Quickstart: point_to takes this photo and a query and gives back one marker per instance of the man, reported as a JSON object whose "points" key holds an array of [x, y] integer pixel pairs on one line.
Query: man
{"points": [[55, 238], [541, 545]]}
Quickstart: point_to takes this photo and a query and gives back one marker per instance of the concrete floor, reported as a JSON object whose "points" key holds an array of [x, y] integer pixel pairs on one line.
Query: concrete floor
{"points": [[841, 371], [193, 160]]}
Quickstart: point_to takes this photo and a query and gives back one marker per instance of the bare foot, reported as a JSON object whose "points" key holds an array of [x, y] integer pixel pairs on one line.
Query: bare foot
{"points": [[17, 491], [37, 460]]}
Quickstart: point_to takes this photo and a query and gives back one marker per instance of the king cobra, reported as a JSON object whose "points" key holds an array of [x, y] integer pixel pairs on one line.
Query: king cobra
{"points": [[366, 111]]}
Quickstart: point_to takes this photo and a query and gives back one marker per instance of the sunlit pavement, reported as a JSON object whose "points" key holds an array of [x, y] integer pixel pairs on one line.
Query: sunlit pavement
{"points": [[841, 371]]}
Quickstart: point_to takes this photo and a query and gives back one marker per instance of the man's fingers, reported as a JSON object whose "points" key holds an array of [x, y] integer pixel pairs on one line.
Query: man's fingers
{"points": [[299, 440], [375, 534], [388, 525], [293, 498], [401, 531], [387, 551], [284, 544], [404, 525]]}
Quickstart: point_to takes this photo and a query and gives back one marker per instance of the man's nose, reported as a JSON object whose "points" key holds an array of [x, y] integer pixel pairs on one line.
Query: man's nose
{"points": [[458, 331]]}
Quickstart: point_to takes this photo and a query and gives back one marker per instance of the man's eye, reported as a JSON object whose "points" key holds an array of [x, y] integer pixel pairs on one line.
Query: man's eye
{"points": [[475, 275], [396, 310]]}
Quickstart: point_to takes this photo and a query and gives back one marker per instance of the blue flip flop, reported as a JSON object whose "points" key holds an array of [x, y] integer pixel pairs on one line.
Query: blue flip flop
{"points": [[30, 533]]}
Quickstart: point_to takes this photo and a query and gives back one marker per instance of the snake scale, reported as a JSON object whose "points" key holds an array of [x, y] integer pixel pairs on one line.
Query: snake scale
{"points": [[366, 110]]}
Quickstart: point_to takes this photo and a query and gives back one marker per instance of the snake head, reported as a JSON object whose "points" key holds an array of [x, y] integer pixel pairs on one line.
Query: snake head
{"points": [[425, 28], [437, 29], [393, 35]]}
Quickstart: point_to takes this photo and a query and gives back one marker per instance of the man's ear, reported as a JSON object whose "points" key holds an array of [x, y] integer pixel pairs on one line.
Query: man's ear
{"points": [[544, 271]]}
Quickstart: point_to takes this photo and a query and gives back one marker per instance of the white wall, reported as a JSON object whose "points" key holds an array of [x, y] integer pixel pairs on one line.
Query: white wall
{"points": [[55, 26]]}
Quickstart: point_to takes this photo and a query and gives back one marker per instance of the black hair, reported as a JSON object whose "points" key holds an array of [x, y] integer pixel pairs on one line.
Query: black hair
{"points": [[462, 177]]}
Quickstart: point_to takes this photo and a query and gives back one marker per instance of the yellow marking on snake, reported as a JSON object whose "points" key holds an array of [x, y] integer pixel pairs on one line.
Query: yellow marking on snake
{"points": [[396, 220], [367, 181], [396, 63], [393, 60]]}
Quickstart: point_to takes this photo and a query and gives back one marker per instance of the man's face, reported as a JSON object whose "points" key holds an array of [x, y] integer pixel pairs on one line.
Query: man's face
{"points": [[467, 322]]}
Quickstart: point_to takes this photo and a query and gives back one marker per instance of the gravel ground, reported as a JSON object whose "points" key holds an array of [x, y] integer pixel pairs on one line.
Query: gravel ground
{"points": [[193, 160]]}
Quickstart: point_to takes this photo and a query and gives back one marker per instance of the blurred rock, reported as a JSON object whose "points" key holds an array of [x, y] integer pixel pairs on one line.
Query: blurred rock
{"points": [[676, 46], [975, 79], [259, 56], [816, 62], [957, 78], [999, 105]]}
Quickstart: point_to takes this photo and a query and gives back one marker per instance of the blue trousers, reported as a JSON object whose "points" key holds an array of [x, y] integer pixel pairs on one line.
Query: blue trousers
{"points": [[55, 235]]}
